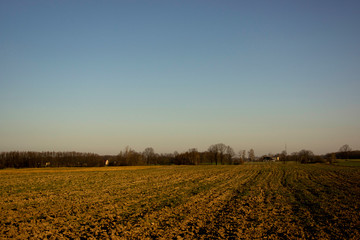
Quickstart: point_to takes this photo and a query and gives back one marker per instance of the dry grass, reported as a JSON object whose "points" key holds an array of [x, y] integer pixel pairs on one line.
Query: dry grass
{"points": [[73, 169], [273, 201]]}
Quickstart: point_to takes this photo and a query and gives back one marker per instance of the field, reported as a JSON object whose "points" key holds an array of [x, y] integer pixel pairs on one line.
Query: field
{"points": [[251, 201], [349, 163]]}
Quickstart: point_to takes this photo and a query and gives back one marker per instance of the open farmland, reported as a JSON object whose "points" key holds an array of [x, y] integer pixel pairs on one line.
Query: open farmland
{"points": [[275, 201]]}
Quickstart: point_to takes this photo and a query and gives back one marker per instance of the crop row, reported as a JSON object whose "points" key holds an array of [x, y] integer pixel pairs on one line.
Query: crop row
{"points": [[183, 202]]}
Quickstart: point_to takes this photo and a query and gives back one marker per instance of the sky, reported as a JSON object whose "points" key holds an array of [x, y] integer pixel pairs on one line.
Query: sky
{"points": [[97, 76]]}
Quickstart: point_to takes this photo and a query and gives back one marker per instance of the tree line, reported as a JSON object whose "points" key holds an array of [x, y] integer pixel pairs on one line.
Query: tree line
{"points": [[29, 159], [307, 156], [217, 154]]}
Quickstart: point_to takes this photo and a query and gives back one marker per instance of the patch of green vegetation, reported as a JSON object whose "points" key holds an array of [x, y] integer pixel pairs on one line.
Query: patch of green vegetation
{"points": [[349, 163]]}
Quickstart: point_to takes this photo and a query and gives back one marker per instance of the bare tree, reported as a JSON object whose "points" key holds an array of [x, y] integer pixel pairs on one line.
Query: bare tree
{"points": [[283, 156], [129, 157], [230, 154], [345, 148], [213, 153], [345, 151], [218, 151], [306, 156], [242, 155], [221, 149], [194, 156], [149, 155], [251, 155]]}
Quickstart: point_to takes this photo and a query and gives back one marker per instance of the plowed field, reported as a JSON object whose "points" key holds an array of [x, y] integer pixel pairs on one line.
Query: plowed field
{"points": [[251, 201]]}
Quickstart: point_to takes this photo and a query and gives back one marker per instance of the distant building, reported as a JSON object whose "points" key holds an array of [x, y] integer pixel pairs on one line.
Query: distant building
{"points": [[269, 159]]}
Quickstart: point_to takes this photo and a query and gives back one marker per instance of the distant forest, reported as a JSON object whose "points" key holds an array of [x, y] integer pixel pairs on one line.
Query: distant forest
{"points": [[217, 154]]}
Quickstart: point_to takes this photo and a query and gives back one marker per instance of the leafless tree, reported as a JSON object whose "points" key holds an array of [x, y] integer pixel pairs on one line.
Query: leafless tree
{"points": [[306, 156], [242, 155], [283, 156], [230, 154], [149, 155], [345, 150], [194, 156], [218, 150], [251, 155]]}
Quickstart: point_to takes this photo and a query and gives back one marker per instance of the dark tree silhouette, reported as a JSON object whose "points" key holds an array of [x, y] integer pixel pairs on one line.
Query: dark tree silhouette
{"points": [[345, 151]]}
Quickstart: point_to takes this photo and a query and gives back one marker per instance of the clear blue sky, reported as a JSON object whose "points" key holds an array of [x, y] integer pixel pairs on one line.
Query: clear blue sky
{"points": [[96, 76]]}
